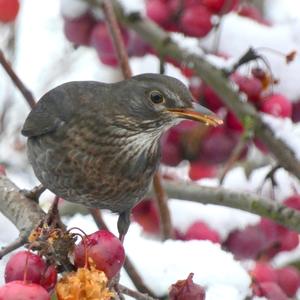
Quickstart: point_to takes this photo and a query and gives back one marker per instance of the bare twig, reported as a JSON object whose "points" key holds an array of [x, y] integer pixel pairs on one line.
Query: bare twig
{"points": [[117, 38], [16, 80], [235, 155], [136, 295], [161, 200], [97, 216], [19, 242], [136, 277]]}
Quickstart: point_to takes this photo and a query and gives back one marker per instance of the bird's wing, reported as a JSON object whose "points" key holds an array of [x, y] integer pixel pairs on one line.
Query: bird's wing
{"points": [[57, 107]]}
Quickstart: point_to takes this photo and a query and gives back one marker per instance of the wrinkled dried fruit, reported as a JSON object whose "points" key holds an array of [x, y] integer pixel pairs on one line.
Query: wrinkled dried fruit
{"points": [[84, 284]]}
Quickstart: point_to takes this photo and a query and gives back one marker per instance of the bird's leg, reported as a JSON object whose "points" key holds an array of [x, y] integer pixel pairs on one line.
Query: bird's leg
{"points": [[123, 224], [35, 193]]}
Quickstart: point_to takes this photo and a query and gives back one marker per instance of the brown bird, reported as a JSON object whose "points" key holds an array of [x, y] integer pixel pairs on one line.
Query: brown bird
{"points": [[99, 144]]}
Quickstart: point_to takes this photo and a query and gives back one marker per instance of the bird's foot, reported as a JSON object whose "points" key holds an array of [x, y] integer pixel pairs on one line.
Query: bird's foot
{"points": [[35, 193]]}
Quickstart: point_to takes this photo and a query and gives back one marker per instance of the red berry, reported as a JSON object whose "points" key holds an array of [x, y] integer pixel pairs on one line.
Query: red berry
{"points": [[246, 243], [293, 201], [186, 290], [288, 239], [158, 11], [201, 231], [270, 290], [78, 31], [37, 271], [250, 11], [217, 145], [289, 280], [279, 238], [200, 170], [263, 272], [104, 249], [9, 10], [233, 122], [48, 281], [252, 87], [145, 213], [276, 105], [102, 42], [109, 59], [2, 170], [220, 6], [196, 21], [18, 290], [212, 100], [170, 153], [136, 46]]}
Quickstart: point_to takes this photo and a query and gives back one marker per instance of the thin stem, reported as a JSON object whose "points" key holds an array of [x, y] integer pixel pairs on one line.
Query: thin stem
{"points": [[162, 203], [234, 157], [16, 80], [134, 294], [117, 38], [97, 216]]}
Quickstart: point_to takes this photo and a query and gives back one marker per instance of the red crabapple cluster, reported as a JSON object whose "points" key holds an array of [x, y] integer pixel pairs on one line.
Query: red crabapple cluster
{"points": [[29, 276], [88, 29], [260, 243]]}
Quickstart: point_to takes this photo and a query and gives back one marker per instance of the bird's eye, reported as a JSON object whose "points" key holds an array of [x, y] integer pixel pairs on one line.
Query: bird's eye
{"points": [[156, 97]]}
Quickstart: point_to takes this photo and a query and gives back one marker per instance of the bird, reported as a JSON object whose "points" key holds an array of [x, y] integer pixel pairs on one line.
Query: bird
{"points": [[98, 144]]}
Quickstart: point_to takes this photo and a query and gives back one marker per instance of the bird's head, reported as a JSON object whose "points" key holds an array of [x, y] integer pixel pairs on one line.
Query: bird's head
{"points": [[162, 101]]}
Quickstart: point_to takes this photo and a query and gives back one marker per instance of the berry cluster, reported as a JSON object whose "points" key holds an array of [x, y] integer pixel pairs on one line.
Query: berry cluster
{"points": [[28, 276], [193, 18], [86, 29], [282, 283], [259, 242], [8, 10]]}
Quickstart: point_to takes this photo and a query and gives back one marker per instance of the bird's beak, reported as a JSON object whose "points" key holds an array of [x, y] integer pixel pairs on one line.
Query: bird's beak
{"points": [[197, 113]]}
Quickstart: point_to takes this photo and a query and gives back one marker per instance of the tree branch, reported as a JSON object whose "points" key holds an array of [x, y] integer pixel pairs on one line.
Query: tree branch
{"points": [[252, 203], [24, 213], [162, 43]]}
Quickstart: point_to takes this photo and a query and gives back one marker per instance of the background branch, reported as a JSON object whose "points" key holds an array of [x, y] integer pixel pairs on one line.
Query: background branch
{"points": [[16, 80], [252, 203], [165, 47]]}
